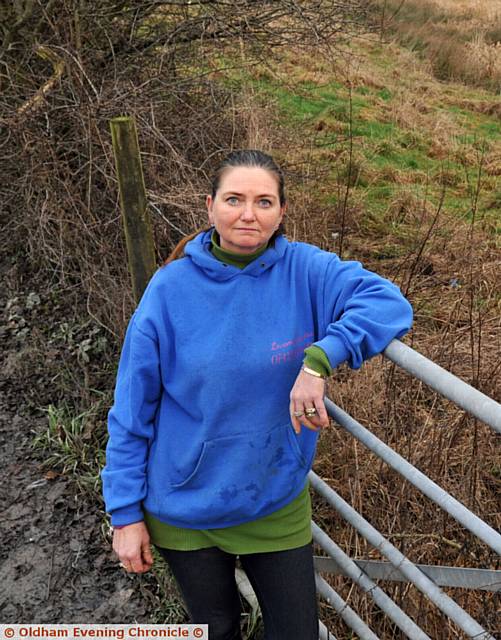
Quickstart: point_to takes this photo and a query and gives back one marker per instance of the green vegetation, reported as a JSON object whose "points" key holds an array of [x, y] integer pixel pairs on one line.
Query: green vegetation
{"points": [[392, 152], [74, 445]]}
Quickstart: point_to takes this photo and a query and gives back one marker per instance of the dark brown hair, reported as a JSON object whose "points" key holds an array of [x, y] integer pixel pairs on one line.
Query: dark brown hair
{"points": [[241, 158]]}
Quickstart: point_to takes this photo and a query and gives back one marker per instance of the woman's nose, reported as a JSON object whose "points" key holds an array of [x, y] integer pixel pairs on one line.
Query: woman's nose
{"points": [[248, 211]]}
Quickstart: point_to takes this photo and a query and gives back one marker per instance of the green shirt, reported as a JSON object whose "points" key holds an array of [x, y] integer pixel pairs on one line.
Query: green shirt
{"points": [[287, 528]]}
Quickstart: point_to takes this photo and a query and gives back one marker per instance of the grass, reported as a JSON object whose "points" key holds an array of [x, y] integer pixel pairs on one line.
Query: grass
{"points": [[394, 130], [308, 101], [75, 445], [458, 38]]}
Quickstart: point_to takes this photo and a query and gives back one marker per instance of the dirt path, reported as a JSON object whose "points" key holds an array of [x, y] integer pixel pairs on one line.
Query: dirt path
{"points": [[54, 563]]}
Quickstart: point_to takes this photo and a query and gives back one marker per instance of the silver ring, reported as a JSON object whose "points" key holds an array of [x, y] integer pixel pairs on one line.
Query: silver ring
{"points": [[311, 411], [298, 414]]}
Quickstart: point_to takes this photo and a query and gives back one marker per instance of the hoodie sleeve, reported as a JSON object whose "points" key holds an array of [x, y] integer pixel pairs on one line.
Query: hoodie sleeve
{"points": [[362, 313], [131, 426]]}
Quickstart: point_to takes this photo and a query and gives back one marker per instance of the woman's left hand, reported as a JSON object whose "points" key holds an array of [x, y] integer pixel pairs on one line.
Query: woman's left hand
{"points": [[308, 392]]}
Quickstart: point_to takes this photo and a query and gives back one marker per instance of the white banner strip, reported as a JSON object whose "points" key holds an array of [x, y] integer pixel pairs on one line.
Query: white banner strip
{"points": [[113, 631]]}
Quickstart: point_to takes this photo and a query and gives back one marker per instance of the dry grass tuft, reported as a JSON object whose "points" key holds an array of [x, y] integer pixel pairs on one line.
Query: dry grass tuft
{"points": [[461, 39]]}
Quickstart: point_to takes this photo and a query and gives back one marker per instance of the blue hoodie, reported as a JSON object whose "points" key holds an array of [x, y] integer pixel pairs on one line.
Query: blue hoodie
{"points": [[200, 431]]}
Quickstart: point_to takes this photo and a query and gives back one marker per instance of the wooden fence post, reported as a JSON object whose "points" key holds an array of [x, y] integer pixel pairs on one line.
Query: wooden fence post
{"points": [[137, 225]]}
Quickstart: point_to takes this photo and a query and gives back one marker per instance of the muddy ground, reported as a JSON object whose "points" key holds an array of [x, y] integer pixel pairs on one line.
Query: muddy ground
{"points": [[56, 564]]}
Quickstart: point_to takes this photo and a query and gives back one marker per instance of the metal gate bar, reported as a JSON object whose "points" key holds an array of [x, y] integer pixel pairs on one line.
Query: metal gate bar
{"points": [[384, 602], [446, 383], [324, 633], [406, 567], [458, 511], [464, 578], [345, 611]]}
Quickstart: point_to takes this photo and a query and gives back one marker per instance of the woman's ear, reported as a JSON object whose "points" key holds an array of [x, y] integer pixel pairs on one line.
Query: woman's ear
{"points": [[208, 204]]}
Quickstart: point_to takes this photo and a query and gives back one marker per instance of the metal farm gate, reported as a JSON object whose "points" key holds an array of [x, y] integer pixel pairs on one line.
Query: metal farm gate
{"points": [[428, 579]]}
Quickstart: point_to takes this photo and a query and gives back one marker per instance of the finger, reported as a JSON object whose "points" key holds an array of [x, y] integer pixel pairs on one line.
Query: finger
{"points": [[323, 415], [313, 425], [295, 421], [309, 425], [131, 562], [137, 563], [147, 555], [321, 418], [302, 420]]}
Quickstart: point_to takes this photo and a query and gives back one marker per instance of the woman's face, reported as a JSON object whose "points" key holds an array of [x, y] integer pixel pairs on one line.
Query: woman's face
{"points": [[246, 210]]}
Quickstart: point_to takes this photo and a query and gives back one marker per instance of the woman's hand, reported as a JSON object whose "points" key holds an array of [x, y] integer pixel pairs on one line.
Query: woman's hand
{"points": [[308, 392], [132, 546]]}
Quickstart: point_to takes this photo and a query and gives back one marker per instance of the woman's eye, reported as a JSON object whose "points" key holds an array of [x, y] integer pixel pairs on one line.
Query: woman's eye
{"points": [[264, 202], [232, 200]]}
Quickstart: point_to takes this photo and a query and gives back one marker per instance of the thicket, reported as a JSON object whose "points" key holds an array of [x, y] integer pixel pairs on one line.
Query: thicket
{"points": [[67, 67]]}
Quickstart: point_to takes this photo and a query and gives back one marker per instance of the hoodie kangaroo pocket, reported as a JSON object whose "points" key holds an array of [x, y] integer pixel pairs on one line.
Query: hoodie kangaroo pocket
{"points": [[239, 476]]}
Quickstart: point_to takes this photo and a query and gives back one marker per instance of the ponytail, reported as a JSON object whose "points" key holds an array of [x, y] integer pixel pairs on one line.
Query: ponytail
{"points": [[178, 251]]}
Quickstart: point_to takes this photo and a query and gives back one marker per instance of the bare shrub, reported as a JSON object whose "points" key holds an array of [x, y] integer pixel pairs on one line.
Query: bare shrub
{"points": [[69, 67]]}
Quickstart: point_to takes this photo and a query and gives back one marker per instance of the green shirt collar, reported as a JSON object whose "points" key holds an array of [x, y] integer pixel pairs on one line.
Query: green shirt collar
{"points": [[239, 260]]}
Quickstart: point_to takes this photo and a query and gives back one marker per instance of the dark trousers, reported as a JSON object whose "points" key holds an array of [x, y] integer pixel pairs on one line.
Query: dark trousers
{"points": [[283, 581]]}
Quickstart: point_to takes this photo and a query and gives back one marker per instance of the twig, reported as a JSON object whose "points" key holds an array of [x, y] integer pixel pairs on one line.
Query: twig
{"points": [[33, 103]]}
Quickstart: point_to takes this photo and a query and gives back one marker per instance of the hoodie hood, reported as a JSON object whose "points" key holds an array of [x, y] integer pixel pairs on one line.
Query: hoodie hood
{"points": [[198, 250]]}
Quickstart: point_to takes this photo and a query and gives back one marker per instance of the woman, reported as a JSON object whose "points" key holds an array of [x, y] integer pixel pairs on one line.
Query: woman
{"points": [[219, 401]]}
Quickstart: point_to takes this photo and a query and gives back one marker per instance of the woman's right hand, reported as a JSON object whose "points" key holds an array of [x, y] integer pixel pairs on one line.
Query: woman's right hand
{"points": [[132, 545]]}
